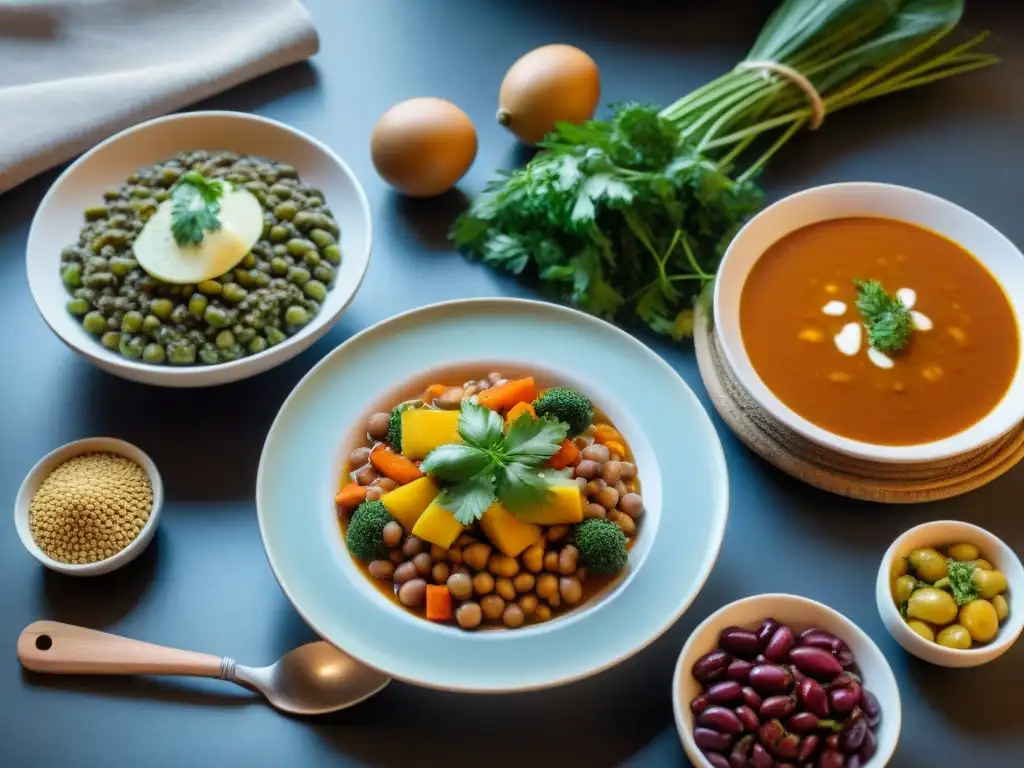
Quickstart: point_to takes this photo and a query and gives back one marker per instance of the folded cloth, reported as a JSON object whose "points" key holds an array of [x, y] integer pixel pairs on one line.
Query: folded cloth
{"points": [[73, 72]]}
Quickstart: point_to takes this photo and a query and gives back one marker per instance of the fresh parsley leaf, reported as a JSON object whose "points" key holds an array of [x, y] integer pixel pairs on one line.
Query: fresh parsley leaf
{"points": [[195, 207], [961, 581], [480, 427], [521, 488], [468, 500], [456, 461], [533, 441], [888, 321]]}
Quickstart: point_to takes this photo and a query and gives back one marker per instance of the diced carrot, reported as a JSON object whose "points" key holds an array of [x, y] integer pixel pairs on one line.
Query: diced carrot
{"points": [[504, 396], [566, 455], [394, 465], [605, 432], [434, 391], [518, 410], [439, 602], [614, 446], [350, 496]]}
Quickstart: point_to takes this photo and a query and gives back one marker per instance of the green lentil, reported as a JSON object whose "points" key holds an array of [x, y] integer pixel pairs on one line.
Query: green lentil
{"points": [[209, 287], [197, 304], [154, 353], [224, 339], [111, 339], [296, 315], [333, 254], [274, 335], [150, 323], [78, 307], [257, 345], [298, 275], [315, 290], [132, 322], [162, 308], [94, 323]]}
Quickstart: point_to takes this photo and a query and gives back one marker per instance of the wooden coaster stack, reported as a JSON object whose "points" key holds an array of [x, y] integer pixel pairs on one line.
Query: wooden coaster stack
{"points": [[833, 471]]}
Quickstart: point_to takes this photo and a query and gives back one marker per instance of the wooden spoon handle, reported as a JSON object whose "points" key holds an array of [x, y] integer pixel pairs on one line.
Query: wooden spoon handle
{"points": [[63, 649]]}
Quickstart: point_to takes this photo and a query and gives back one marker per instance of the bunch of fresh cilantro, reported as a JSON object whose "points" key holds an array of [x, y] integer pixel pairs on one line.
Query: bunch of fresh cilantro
{"points": [[618, 217], [491, 465]]}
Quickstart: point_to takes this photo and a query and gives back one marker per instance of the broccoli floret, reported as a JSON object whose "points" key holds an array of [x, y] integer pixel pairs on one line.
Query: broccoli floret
{"points": [[395, 429], [566, 405], [602, 545], [365, 536]]}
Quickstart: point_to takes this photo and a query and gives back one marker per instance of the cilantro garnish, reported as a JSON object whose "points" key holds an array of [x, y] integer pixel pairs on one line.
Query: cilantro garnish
{"points": [[961, 581], [195, 206], [888, 321]]}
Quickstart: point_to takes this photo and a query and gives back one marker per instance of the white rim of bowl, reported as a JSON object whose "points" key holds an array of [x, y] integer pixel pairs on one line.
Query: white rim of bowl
{"points": [[717, 532], [185, 371], [70, 450], [889, 454], [1002, 640]]}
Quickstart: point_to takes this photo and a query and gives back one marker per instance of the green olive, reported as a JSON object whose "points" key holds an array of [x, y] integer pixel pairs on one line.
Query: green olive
{"points": [[928, 564], [903, 588], [963, 552], [983, 564], [989, 583], [954, 636], [1002, 607], [897, 568], [980, 619], [932, 605], [922, 629]]}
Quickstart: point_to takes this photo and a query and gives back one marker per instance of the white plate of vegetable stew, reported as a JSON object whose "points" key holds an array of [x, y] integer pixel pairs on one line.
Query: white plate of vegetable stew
{"points": [[446, 472]]}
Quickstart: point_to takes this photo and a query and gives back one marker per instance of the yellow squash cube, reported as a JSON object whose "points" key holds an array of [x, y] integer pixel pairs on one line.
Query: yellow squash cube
{"points": [[563, 507], [406, 503], [423, 430], [507, 532], [438, 526]]}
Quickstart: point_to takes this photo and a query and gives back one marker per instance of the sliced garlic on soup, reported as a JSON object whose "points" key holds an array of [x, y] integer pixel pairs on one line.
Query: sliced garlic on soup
{"points": [[921, 322], [879, 359], [848, 339], [834, 308], [908, 296]]}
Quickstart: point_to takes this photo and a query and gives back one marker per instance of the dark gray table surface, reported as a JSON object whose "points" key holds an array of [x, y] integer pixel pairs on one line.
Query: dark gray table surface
{"points": [[205, 583]]}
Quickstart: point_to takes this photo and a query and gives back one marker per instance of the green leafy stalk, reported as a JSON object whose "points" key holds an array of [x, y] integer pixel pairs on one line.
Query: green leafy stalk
{"points": [[888, 321], [195, 207]]}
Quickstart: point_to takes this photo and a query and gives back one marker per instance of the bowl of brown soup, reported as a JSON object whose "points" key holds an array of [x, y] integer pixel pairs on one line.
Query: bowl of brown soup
{"points": [[878, 321]]}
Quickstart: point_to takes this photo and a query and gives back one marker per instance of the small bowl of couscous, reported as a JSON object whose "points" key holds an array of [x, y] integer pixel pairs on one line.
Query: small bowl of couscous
{"points": [[89, 507]]}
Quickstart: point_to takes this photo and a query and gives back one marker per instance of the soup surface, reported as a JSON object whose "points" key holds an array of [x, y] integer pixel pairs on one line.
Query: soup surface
{"points": [[805, 336]]}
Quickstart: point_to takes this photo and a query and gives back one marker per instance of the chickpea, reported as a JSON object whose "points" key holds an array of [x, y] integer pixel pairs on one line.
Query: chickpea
{"points": [[989, 583], [464, 540], [373, 493], [593, 509], [377, 425], [607, 498], [963, 552], [412, 547], [555, 601], [483, 583], [494, 377], [396, 556], [954, 636], [621, 488], [451, 399], [632, 505], [475, 556], [524, 582], [503, 565], [594, 487], [570, 589], [382, 569], [359, 456], [533, 558], [581, 483], [365, 475], [542, 613], [386, 484], [492, 606], [468, 615], [557, 533], [413, 593], [547, 585], [482, 385], [983, 564], [469, 391], [919, 627], [405, 572], [461, 586], [528, 603], [979, 618], [463, 569], [625, 522], [392, 534], [437, 553], [504, 588], [628, 470], [440, 572], [513, 616], [581, 574], [1002, 607], [567, 559], [581, 442], [611, 472], [454, 556], [596, 452], [928, 564], [586, 469], [551, 562]]}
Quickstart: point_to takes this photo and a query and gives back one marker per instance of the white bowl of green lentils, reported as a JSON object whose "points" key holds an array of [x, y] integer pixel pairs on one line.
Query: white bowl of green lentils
{"points": [[288, 290]]}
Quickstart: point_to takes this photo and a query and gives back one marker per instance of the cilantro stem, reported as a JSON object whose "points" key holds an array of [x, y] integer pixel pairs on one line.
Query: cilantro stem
{"points": [[693, 261]]}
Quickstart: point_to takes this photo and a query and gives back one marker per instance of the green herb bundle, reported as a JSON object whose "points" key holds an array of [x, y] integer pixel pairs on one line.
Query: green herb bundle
{"points": [[629, 217], [889, 323]]}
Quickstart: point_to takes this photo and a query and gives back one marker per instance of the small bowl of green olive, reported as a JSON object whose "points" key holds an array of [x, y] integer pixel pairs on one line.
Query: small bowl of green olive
{"points": [[951, 593]]}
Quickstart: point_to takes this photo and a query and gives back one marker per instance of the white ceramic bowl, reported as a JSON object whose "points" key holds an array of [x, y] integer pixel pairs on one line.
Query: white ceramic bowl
{"points": [[57, 457], [59, 219], [799, 613], [834, 201], [939, 534]]}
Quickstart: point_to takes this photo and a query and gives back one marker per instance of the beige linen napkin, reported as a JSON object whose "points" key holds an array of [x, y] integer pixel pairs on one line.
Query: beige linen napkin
{"points": [[73, 72]]}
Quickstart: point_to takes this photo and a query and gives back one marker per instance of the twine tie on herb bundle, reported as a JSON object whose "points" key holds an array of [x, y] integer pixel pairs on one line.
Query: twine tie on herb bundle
{"points": [[797, 78]]}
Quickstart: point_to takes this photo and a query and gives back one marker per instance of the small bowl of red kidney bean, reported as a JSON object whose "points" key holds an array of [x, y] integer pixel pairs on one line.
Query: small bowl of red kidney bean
{"points": [[780, 681]]}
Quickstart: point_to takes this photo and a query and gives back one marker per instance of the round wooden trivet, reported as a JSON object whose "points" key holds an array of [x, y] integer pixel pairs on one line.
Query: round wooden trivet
{"points": [[836, 472]]}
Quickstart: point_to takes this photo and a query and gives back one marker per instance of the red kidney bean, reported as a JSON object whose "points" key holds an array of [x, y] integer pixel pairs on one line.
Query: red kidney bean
{"points": [[830, 758], [716, 759], [709, 740], [770, 678], [760, 758], [711, 666], [788, 746], [766, 630], [833, 645], [748, 717], [843, 655], [700, 703], [832, 742], [779, 645], [807, 747], [740, 642], [751, 697], [852, 735], [760, 659], [853, 762], [777, 706], [740, 755], [721, 719], [815, 662], [867, 747], [812, 695], [798, 676], [784, 765], [843, 700], [807, 633], [725, 692], [872, 712], [802, 722], [844, 679], [770, 733], [738, 670]]}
